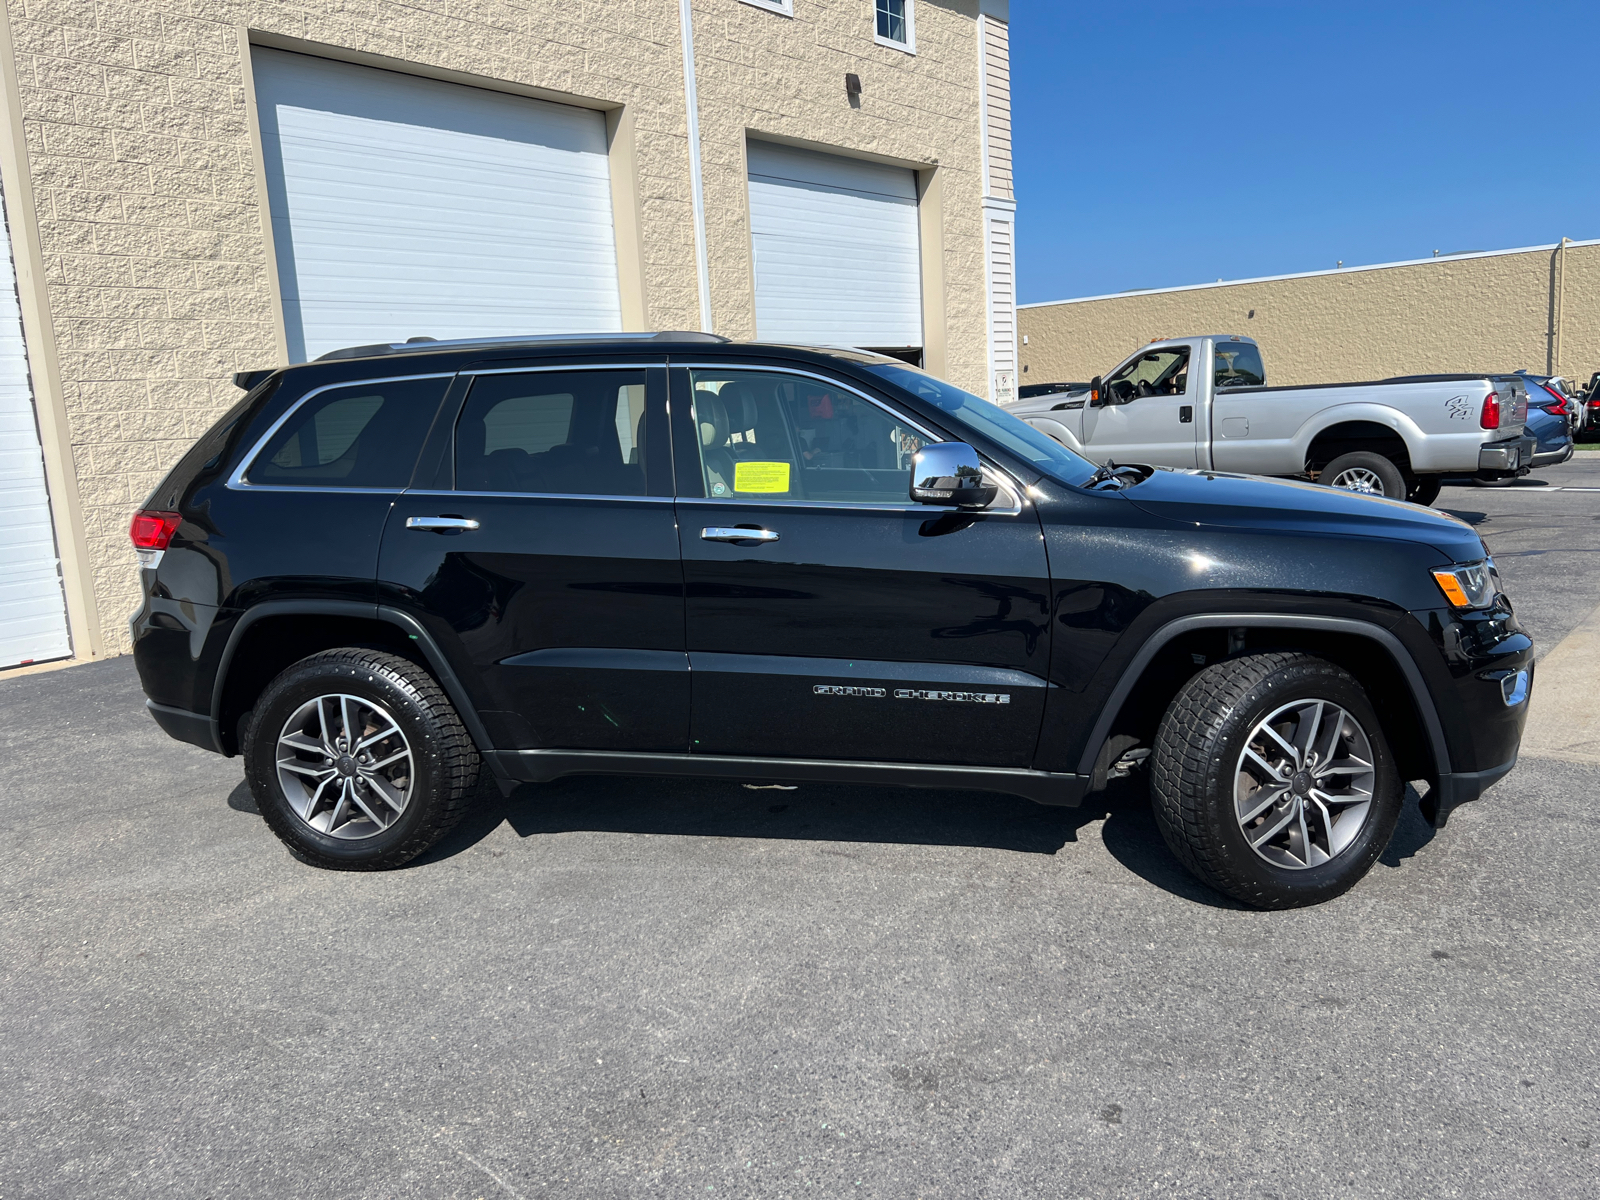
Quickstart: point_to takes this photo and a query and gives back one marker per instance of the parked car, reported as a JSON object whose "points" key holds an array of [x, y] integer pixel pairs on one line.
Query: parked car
{"points": [[1554, 417], [1202, 402], [389, 570]]}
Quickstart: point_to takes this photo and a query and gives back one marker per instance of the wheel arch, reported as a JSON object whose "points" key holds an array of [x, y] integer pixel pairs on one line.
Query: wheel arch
{"points": [[277, 633], [1347, 436], [1373, 655]]}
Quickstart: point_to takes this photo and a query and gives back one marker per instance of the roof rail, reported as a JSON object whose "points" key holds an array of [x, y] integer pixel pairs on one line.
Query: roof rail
{"points": [[418, 345]]}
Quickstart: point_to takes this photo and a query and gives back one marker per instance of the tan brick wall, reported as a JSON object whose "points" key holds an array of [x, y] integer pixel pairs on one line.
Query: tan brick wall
{"points": [[1458, 314], [159, 283]]}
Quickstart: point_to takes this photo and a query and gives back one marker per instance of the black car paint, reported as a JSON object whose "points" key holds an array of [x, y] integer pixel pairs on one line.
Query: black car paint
{"points": [[603, 634]]}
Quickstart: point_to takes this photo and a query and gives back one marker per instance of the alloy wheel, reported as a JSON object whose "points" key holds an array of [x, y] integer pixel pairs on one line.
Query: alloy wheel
{"points": [[344, 766], [1359, 479], [1304, 784]]}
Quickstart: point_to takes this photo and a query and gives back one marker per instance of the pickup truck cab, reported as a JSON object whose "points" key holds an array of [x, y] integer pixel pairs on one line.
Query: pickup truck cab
{"points": [[389, 573], [1203, 402]]}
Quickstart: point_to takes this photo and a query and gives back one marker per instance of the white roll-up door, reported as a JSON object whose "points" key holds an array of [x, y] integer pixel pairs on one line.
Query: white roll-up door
{"points": [[837, 249], [33, 610], [405, 207]]}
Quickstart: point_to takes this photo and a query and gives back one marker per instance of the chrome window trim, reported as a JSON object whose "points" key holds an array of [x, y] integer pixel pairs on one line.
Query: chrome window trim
{"points": [[237, 481], [886, 506], [644, 366], [1010, 485], [435, 492]]}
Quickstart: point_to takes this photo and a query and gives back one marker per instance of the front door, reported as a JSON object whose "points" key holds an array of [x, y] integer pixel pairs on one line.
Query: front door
{"points": [[1146, 412], [545, 559], [828, 616]]}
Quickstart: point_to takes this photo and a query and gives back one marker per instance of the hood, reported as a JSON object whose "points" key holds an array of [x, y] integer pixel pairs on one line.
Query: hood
{"points": [[1218, 499]]}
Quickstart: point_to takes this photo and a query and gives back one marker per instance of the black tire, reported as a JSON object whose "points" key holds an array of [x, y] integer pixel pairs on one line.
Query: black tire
{"points": [[1426, 490], [1366, 463], [444, 762], [1197, 752]]}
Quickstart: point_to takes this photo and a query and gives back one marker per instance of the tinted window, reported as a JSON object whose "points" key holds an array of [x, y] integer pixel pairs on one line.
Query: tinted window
{"points": [[770, 436], [990, 422], [365, 435], [1238, 365], [576, 433]]}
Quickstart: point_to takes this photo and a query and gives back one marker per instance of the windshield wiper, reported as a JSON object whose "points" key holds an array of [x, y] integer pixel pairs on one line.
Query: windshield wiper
{"points": [[1112, 478]]}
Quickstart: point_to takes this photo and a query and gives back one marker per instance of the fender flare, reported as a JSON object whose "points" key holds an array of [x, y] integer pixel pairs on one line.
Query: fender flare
{"points": [[402, 620], [1165, 633], [1404, 428]]}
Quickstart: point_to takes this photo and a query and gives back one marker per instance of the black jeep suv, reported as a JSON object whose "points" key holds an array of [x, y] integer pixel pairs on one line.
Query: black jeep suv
{"points": [[394, 567]]}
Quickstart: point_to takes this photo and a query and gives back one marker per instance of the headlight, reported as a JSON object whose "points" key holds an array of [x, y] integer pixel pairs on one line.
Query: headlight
{"points": [[1476, 585]]}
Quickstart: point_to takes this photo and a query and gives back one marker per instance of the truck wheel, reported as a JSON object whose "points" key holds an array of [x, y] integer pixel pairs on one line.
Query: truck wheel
{"points": [[1367, 472], [1426, 490], [1272, 781], [357, 760]]}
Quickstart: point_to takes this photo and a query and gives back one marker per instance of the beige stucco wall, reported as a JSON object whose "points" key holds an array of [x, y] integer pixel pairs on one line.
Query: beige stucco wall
{"points": [[137, 138], [1491, 312]]}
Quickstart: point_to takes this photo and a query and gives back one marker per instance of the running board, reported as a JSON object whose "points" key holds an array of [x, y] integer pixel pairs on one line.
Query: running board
{"points": [[1042, 787]]}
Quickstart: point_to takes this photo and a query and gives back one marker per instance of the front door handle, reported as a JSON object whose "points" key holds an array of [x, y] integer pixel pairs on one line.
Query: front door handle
{"points": [[441, 524], [1185, 413], [722, 533]]}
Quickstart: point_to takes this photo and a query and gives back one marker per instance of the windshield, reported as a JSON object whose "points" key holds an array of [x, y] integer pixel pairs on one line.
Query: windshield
{"points": [[990, 422]]}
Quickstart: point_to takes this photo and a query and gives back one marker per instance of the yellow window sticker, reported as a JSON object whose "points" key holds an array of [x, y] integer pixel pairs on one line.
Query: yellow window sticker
{"points": [[761, 477]]}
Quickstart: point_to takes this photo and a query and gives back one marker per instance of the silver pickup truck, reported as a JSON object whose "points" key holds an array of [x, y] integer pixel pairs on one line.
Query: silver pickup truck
{"points": [[1202, 402]]}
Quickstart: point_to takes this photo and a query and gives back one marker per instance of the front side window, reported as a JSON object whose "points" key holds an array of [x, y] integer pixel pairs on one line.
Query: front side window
{"points": [[771, 436], [366, 435], [1158, 373], [895, 23], [1238, 365], [574, 433]]}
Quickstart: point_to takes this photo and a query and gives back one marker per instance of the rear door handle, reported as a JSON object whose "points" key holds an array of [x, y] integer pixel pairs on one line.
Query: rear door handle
{"points": [[722, 533], [441, 524]]}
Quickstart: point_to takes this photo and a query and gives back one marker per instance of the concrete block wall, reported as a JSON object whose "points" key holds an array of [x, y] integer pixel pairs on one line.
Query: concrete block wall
{"points": [[157, 272], [1484, 312]]}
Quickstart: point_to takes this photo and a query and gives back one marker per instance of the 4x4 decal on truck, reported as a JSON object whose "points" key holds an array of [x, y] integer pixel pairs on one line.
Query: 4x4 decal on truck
{"points": [[1459, 408]]}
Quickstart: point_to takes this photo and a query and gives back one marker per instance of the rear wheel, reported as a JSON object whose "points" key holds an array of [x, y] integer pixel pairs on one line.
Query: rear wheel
{"points": [[1272, 781], [1425, 490], [1367, 472], [358, 761]]}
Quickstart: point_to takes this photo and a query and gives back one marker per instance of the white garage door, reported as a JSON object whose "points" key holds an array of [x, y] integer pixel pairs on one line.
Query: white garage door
{"points": [[407, 207], [33, 611], [838, 256]]}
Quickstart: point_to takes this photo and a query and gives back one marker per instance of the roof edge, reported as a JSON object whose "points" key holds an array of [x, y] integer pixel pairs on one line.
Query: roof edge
{"points": [[1224, 283]]}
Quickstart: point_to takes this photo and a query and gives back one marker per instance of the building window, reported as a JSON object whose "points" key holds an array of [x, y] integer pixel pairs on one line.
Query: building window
{"points": [[786, 7], [896, 24]]}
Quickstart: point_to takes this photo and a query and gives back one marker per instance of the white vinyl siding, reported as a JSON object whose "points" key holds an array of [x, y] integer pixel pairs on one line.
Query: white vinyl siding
{"points": [[1002, 296], [405, 207], [837, 249], [996, 46], [33, 610]]}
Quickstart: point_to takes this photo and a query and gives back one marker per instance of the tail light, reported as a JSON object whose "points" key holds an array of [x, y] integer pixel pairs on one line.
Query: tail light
{"points": [[1490, 418], [152, 532], [1559, 408]]}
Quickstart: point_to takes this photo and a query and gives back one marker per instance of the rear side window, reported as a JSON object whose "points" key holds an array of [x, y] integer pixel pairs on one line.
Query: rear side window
{"points": [[365, 435], [573, 433], [1238, 365]]}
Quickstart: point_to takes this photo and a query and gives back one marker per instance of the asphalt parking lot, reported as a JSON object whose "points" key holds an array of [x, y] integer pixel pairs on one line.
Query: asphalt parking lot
{"points": [[610, 988]]}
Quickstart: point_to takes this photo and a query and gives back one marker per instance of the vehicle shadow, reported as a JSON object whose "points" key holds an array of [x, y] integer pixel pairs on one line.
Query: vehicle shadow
{"points": [[833, 813]]}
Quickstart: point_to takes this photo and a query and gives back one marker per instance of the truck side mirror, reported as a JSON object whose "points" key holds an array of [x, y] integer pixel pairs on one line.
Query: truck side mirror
{"points": [[1094, 392], [950, 473]]}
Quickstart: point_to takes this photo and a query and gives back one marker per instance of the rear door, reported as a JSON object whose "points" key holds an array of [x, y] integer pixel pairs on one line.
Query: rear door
{"points": [[544, 557], [1146, 412], [828, 616]]}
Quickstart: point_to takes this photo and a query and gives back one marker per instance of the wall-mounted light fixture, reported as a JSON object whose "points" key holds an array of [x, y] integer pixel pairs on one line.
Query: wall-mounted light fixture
{"points": [[852, 85]]}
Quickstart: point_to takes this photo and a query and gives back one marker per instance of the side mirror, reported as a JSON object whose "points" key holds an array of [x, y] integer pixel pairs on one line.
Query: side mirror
{"points": [[1094, 392], [950, 473]]}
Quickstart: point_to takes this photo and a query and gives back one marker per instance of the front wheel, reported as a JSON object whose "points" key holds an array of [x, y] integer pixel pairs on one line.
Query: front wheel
{"points": [[1367, 472], [357, 760], [1272, 781]]}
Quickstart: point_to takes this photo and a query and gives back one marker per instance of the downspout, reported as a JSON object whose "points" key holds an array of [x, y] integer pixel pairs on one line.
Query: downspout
{"points": [[1553, 366], [691, 102]]}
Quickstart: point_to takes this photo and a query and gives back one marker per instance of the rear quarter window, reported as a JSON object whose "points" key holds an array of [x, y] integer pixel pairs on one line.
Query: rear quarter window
{"points": [[361, 435]]}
